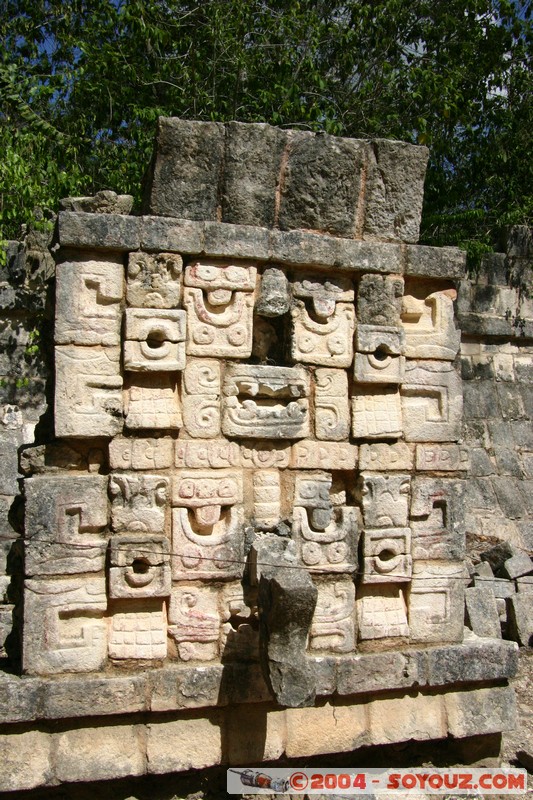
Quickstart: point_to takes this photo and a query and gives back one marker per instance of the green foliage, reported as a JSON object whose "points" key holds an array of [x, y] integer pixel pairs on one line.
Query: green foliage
{"points": [[82, 85]]}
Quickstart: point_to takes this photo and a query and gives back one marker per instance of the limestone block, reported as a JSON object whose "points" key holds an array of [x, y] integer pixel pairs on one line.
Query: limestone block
{"points": [[265, 454], [332, 413], [379, 357], [437, 518], [394, 190], [385, 500], [152, 402], [482, 612], [429, 327], [184, 744], [88, 397], [138, 502], [99, 753], [267, 498], [326, 548], [329, 170], [333, 625], [89, 289], [376, 415], [442, 458], [520, 618], [154, 280], [138, 629], [274, 299], [329, 341], [386, 457], [210, 454], [370, 672], [253, 154], [139, 566], [240, 628], [24, 760], [255, 735], [65, 519], [219, 300], [326, 729], [379, 300], [142, 454], [154, 340], [323, 455], [207, 521], [185, 174], [418, 717], [381, 612], [103, 202], [432, 402], [194, 621], [436, 602], [103, 231], [387, 555], [265, 401], [201, 398], [518, 565], [64, 628], [481, 711]]}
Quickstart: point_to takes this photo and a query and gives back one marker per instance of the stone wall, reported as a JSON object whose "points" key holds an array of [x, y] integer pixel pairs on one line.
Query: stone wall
{"points": [[258, 404]]}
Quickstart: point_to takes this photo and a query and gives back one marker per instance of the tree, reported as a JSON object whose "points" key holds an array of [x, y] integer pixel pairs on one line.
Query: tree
{"points": [[83, 84]]}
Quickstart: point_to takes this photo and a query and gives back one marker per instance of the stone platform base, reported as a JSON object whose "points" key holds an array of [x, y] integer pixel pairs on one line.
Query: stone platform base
{"points": [[104, 749]]}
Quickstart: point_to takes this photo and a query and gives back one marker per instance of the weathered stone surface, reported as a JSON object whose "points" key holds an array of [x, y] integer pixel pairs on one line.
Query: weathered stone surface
{"points": [[141, 454], [185, 173], [265, 454], [394, 190], [387, 555], [333, 626], [437, 518], [332, 413], [287, 598], [326, 729], [253, 158], [138, 630], [104, 202], [518, 565], [210, 454], [417, 717], [89, 289], [194, 622], [172, 235], [323, 455], [151, 402], [472, 661], [90, 754], [219, 301], [436, 602], [24, 759], [435, 262], [255, 735], [65, 520], [520, 618], [139, 566], [381, 612], [267, 499], [378, 359], [257, 415], [64, 628], [322, 183], [328, 341], [480, 711], [442, 458], [138, 502], [207, 523], [201, 398], [369, 672], [386, 457], [379, 300], [429, 326], [154, 340], [376, 415], [482, 611], [88, 398], [274, 298], [183, 744], [102, 231], [385, 500], [154, 281], [432, 402]]}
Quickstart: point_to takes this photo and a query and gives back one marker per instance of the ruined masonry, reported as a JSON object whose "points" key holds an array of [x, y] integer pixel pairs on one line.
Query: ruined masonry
{"points": [[247, 538]]}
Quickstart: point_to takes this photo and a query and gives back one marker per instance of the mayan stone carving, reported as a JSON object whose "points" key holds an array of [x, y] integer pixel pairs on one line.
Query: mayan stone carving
{"points": [[279, 411]]}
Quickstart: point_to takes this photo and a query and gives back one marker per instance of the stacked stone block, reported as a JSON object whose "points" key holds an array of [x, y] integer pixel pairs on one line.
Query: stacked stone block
{"points": [[256, 490]]}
